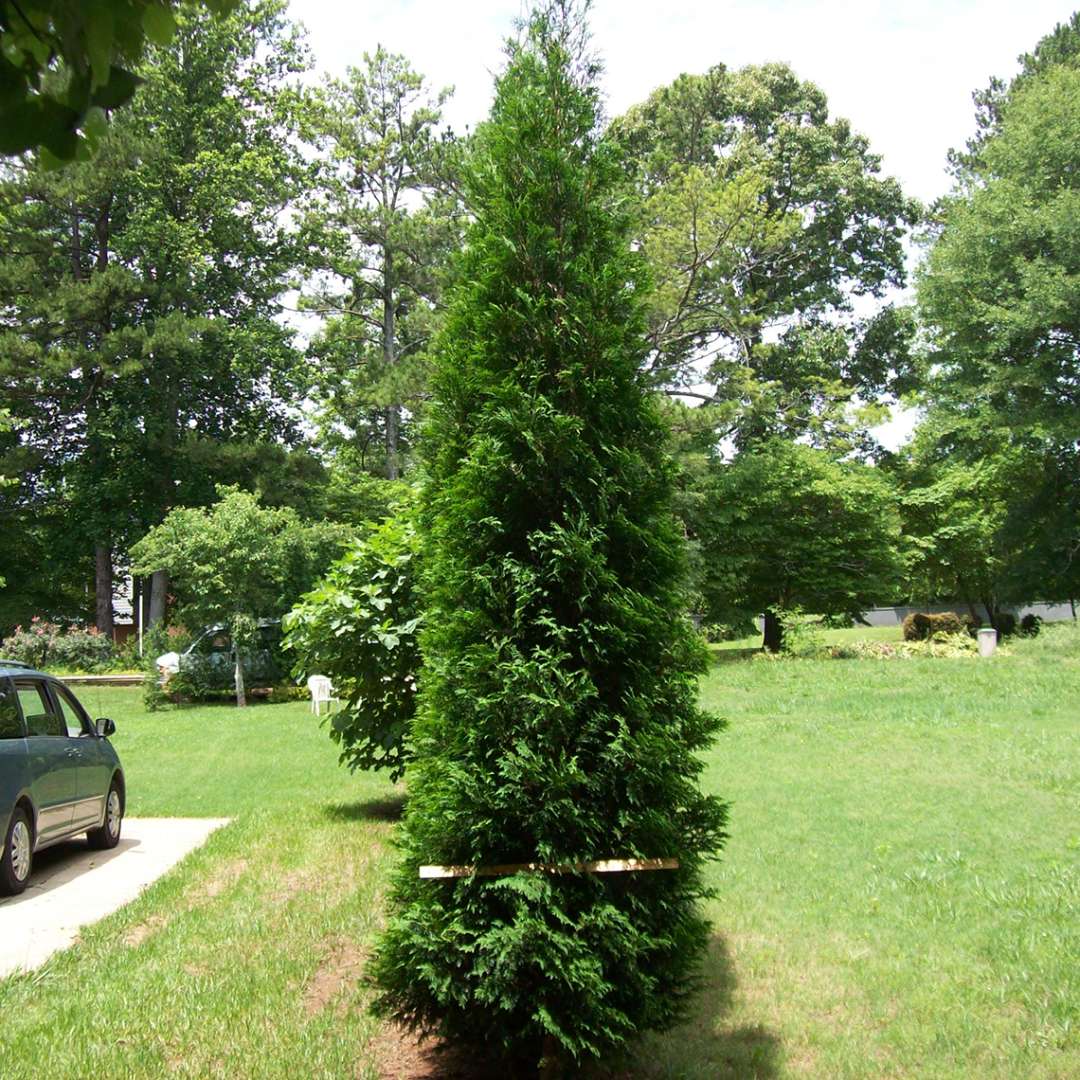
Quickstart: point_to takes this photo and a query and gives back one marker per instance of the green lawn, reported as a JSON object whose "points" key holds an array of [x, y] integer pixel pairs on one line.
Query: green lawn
{"points": [[899, 898]]}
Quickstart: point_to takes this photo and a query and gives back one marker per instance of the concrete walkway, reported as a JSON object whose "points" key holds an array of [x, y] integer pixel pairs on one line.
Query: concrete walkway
{"points": [[72, 886]]}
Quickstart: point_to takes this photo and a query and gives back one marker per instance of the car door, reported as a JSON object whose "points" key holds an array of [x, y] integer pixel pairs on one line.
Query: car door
{"points": [[53, 763], [94, 772], [12, 754]]}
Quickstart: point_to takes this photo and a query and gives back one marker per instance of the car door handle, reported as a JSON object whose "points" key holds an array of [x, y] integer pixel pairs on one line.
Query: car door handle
{"points": [[74, 752]]}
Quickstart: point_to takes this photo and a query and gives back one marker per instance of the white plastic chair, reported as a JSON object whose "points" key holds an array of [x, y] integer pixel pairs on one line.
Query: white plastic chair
{"points": [[322, 690]]}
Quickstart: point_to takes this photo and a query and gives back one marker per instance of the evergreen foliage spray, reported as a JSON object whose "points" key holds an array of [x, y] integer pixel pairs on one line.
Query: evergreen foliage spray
{"points": [[557, 719]]}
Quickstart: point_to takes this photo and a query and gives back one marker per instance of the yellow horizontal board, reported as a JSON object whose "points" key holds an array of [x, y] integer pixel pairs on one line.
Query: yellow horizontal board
{"points": [[599, 866]]}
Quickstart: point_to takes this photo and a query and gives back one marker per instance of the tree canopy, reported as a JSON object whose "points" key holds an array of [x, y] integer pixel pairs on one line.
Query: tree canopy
{"points": [[762, 217], [787, 526]]}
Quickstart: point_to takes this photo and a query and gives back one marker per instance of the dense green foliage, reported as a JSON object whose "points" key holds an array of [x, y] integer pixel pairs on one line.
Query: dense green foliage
{"points": [[61, 67], [557, 718], [762, 216], [141, 351], [786, 525], [360, 627], [994, 475]]}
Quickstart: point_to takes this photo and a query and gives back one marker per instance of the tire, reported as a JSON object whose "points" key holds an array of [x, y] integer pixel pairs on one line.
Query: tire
{"points": [[17, 860], [108, 836]]}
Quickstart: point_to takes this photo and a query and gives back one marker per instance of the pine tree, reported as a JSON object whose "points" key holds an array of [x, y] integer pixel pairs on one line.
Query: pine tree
{"points": [[558, 719]]}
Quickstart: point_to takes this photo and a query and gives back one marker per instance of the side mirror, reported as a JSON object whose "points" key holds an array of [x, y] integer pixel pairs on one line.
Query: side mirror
{"points": [[104, 728]]}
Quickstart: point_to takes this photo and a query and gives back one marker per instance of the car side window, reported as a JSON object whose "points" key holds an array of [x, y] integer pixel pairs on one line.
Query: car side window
{"points": [[73, 716], [10, 724], [38, 713]]}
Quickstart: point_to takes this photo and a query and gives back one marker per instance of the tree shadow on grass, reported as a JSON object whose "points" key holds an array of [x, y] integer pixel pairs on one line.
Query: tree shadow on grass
{"points": [[389, 808], [707, 1044], [705, 1047], [732, 656]]}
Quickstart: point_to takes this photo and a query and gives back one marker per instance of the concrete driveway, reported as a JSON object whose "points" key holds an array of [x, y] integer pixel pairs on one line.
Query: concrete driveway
{"points": [[72, 886]]}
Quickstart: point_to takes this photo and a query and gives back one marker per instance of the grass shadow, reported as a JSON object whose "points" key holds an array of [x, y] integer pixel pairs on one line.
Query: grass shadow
{"points": [[731, 656], [390, 808], [706, 1044]]}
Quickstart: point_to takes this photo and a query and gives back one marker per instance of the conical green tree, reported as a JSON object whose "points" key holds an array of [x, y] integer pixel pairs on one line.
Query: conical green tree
{"points": [[558, 719]]}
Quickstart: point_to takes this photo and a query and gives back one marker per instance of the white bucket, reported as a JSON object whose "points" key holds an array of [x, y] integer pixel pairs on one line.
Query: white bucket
{"points": [[987, 641]]}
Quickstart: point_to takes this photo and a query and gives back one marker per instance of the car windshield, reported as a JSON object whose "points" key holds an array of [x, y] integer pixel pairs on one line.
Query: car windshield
{"points": [[217, 642]]}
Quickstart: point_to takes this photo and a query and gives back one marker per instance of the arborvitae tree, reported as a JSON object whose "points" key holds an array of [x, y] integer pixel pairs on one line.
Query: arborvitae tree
{"points": [[558, 720]]}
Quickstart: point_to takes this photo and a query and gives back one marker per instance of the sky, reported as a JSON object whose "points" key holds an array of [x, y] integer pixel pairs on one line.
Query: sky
{"points": [[902, 71]]}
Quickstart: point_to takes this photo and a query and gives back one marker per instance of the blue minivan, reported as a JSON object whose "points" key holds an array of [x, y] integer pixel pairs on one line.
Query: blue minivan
{"points": [[59, 774]]}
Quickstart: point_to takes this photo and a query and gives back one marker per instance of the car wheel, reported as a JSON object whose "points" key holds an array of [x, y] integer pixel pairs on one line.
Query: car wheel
{"points": [[18, 854], [108, 836]]}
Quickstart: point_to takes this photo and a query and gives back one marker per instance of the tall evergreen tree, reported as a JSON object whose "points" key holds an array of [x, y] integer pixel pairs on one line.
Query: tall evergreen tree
{"points": [[378, 226], [558, 721]]}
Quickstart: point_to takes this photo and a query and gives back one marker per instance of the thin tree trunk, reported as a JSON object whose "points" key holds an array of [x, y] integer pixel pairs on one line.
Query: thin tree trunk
{"points": [[241, 696], [773, 632], [393, 411], [974, 612], [551, 1064], [159, 587], [103, 589]]}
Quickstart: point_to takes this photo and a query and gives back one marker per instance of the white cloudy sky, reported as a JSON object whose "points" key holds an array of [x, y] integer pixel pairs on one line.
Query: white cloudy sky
{"points": [[902, 72]]}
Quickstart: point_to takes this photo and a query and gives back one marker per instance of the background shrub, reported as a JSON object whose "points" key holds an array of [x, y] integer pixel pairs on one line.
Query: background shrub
{"points": [[155, 642], [359, 627], [1030, 625], [48, 645], [802, 633], [922, 625], [1005, 624]]}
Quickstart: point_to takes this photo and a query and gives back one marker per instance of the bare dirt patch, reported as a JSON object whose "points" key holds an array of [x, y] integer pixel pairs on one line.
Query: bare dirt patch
{"points": [[140, 932], [400, 1055], [341, 970], [223, 878]]}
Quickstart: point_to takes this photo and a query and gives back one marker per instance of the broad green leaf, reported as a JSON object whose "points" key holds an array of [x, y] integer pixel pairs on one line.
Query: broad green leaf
{"points": [[159, 24]]}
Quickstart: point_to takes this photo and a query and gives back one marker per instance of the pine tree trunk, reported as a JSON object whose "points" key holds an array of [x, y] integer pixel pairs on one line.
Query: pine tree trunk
{"points": [[773, 632], [103, 589], [159, 588], [393, 411]]}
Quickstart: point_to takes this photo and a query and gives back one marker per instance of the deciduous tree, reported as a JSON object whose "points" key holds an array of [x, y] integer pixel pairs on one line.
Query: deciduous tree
{"points": [[235, 563], [762, 218], [63, 66], [788, 526]]}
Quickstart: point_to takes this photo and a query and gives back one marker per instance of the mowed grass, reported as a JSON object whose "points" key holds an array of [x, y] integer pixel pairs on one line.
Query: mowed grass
{"points": [[900, 896]]}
